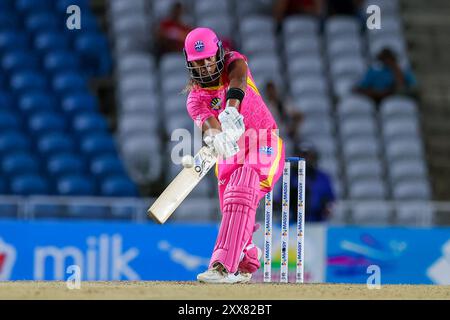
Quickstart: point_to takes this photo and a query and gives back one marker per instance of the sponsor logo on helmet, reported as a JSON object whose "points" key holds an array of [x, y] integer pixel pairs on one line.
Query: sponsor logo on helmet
{"points": [[216, 103], [199, 46]]}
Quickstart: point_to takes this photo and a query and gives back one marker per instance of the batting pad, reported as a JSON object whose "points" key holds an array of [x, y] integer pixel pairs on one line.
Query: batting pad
{"points": [[240, 201]]}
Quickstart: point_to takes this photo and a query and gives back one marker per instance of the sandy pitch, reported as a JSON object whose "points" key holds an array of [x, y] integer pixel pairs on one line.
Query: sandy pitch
{"points": [[193, 291]]}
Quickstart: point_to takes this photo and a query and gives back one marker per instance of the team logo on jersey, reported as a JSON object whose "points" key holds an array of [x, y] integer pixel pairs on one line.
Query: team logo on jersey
{"points": [[199, 46], [266, 150], [216, 103]]}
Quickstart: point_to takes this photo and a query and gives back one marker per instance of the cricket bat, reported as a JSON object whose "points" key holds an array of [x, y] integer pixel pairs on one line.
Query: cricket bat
{"points": [[182, 185]]}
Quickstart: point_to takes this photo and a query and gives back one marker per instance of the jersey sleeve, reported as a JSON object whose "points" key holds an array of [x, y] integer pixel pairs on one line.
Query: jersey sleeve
{"points": [[197, 109], [233, 56]]}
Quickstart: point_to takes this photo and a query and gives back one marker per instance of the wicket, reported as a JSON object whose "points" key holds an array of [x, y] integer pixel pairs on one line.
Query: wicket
{"points": [[268, 211]]}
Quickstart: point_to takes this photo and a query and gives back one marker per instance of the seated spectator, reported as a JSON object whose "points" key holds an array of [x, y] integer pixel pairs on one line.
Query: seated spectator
{"points": [[319, 194], [172, 31], [287, 118], [386, 77], [285, 8]]}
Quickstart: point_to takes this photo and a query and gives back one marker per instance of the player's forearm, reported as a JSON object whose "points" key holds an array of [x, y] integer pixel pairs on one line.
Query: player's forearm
{"points": [[238, 79]]}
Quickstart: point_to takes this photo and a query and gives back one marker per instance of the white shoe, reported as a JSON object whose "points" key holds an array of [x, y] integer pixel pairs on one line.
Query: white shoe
{"points": [[218, 274]]}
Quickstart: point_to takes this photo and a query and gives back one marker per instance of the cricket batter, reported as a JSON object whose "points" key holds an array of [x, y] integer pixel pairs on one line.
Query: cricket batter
{"points": [[225, 103]]}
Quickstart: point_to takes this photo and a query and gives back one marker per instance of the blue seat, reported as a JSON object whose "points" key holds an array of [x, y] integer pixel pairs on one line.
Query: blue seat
{"points": [[13, 40], [65, 164], [42, 21], [7, 5], [6, 101], [61, 5], [85, 123], [97, 144], [51, 40], [9, 121], [107, 165], [61, 61], [14, 141], [33, 5], [37, 101], [3, 186], [87, 212], [118, 186], [24, 81], [44, 122], [19, 163], [69, 82], [8, 20], [29, 184], [75, 103], [75, 185], [53, 143], [18, 60], [94, 52]]}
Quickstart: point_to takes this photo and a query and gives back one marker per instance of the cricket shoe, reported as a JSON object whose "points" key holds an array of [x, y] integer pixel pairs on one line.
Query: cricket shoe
{"points": [[218, 274]]}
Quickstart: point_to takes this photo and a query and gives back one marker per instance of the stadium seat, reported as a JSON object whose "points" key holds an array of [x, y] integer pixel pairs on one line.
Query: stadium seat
{"points": [[306, 46], [363, 169], [7, 101], [63, 164], [42, 21], [412, 190], [62, 5], [398, 128], [405, 148], [61, 61], [76, 185], [106, 165], [208, 8], [136, 84], [86, 122], [9, 121], [26, 185], [19, 163], [13, 40], [259, 44], [142, 157], [361, 147], [299, 25], [3, 186], [26, 81], [43, 122], [33, 6], [358, 126], [14, 141], [375, 213], [8, 20], [221, 24], [256, 24], [368, 189], [346, 67], [398, 106], [407, 169], [307, 65], [308, 86], [94, 54], [355, 105], [145, 103], [135, 62], [19, 60], [52, 143], [76, 103], [343, 47], [69, 82], [174, 84], [415, 214], [172, 63], [32, 102], [130, 124], [194, 210], [97, 144], [51, 41], [118, 186], [341, 25]]}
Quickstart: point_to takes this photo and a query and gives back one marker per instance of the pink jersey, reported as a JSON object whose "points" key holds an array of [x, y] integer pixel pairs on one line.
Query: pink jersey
{"points": [[203, 103]]}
